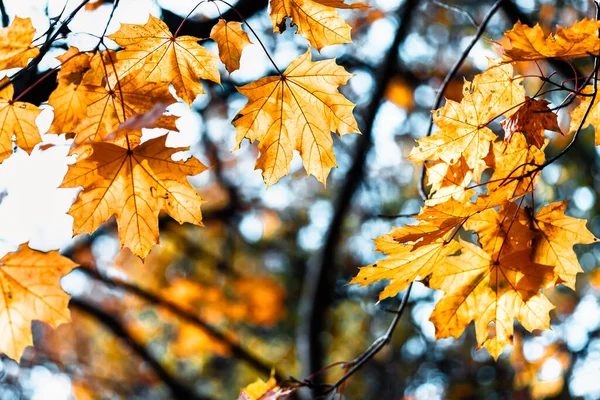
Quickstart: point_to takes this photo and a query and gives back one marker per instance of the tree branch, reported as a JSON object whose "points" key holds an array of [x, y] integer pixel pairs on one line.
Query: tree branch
{"points": [[178, 390], [320, 279], [201, 29], [237, 351]]}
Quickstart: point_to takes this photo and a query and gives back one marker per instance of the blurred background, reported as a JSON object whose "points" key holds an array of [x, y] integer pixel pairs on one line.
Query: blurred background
{"points": [[270, 268]]}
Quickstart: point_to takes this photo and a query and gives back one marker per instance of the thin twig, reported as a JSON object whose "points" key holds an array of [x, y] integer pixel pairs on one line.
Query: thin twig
{"points": [[456, 9], [5, 20]]}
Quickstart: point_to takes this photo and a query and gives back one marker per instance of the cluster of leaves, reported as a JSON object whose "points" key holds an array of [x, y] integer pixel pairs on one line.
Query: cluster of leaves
{"points": [[480, 181], [105, 98], [483, 183]]}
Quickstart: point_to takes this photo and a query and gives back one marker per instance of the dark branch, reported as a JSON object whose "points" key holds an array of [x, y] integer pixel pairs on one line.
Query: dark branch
{"points": [[320, 281], [178, 390], [201, 29], [237, 351]]}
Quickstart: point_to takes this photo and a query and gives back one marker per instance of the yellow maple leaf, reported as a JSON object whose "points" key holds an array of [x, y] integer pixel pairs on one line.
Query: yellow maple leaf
{"points": [[554, 244], [512, 161], [492, 292], [404, 264], [318, 21], [112, 103], [15, 44], [31, 291], [448, 181], [505, 230], [530, 43], [593, 117], [463, 126], [69, 100], [180, 61], [231, 39], [16, 119], [296, 111], [133, 182]]}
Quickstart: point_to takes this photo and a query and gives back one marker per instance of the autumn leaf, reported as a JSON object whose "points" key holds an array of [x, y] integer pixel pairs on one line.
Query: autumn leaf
{"points": [[231, 40], [512, 162], [296, 111], [530, 43], [31, 291], [404, 264], [342, 4], [15, 44], [269, 390], [164, 58], [593, 117], [135, 185], [16, 119], [554, 244], [463, 126], [113, 103], [491, 291], [318, 21], [504, 230], [531, 119], [448, 181], [69, 99]]}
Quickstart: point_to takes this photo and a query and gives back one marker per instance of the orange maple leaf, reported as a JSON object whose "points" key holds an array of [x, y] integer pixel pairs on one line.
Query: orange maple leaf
{"points": [[492, 292], [165, 58], [463, 126], [554, 244], [317, 20], [530, 43], [16, 119], [31, 291], [296, 111], [531, 119], [133, 182], [231, 40], [15, 44]]}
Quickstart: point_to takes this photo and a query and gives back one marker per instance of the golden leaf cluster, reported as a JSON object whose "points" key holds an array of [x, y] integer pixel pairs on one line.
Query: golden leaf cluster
{"points": [[521, 250]]}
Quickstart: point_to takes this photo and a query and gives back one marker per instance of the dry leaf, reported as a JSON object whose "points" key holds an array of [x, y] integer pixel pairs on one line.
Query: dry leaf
{"points": [[296, 111], [231, 40], [30, 281]]}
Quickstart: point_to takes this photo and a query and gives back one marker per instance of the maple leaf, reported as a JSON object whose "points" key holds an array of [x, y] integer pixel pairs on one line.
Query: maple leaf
{"points": [[180, 61], [269, 390], [463, 126], [512, 161], [135, 185], [68, 100], [448, 181], [16, 119], [593, 118], [404, 264], [15, 44], [530, 43], [440, 220], [532, 118], [231, 40], [296, 111], [504, 230], [31, 291], [492, 292], [554, 244], [318, 21], [113, 103]]}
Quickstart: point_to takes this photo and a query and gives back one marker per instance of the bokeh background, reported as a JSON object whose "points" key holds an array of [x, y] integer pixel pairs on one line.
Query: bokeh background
{"points": [[271, 266]]}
